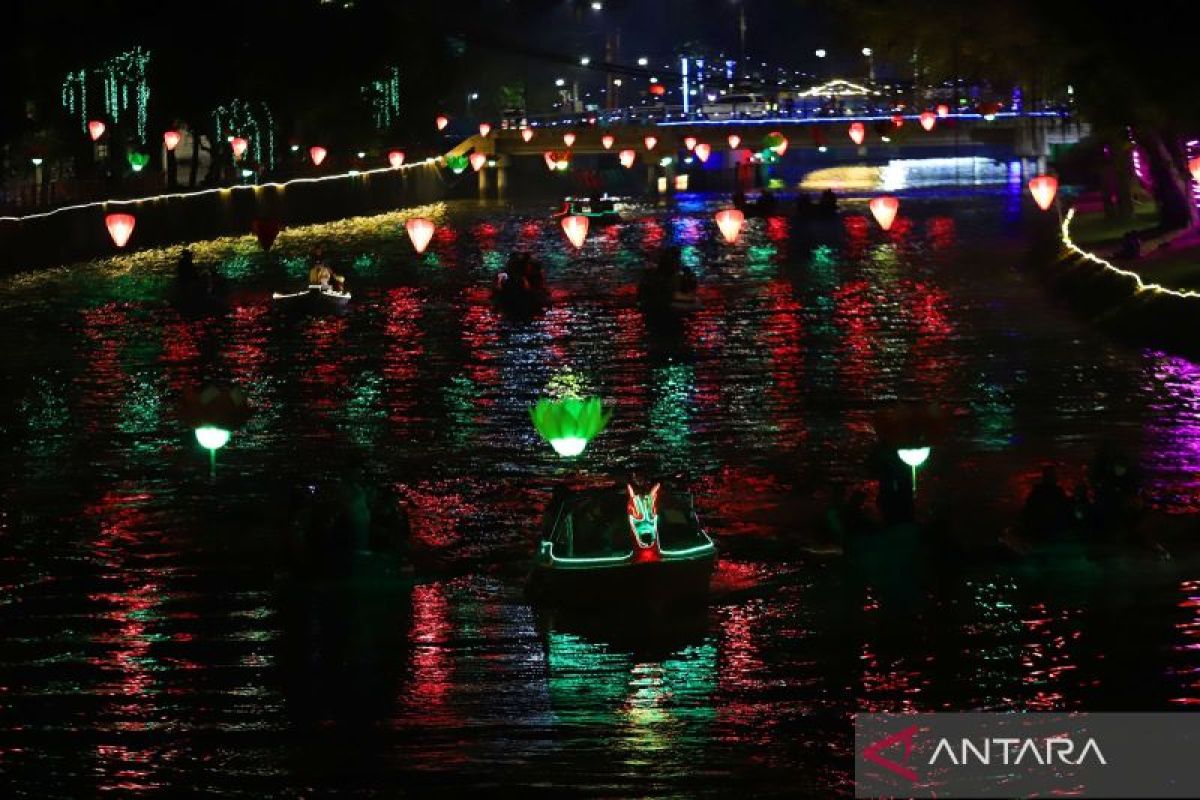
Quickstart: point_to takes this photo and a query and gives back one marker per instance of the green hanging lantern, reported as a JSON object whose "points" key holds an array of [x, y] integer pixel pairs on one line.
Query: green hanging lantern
{"points": [[138, 161], [570, 423], [457, 164]]}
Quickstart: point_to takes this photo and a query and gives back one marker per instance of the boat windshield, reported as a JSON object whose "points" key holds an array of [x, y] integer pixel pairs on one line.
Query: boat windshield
{"points": [[597, 524]]}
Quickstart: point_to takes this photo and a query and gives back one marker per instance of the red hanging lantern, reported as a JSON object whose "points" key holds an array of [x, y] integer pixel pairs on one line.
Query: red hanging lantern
{"points": [[627, 157], [657, 89], [576, 228], [1043, 188], [734, 140], [95, 129], [477, 161], [898, 120], [689, 142], [858, 132], [265, 230], [650, 141], [171, 138], [943, 110], [703, 151], [607, 141], [1194, 168], [442, 121], [420, 231], [884, 208], [239, 145], [396, 158], [484, 129], [317, 154], [928, 120], [551, 161], [120, 227], [781, 143], [568, 139], [526, 133], [730, 222]]}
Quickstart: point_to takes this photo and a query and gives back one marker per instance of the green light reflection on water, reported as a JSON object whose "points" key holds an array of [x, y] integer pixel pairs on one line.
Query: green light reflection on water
{"points": [[670, 415], [365, 416]]}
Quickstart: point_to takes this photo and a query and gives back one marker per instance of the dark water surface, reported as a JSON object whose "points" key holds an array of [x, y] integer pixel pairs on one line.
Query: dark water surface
{"points": [[146, 646]]}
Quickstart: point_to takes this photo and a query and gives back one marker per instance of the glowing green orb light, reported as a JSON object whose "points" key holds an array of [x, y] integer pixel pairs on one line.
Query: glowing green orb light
{"points": [[914, 457], [212, 439]]}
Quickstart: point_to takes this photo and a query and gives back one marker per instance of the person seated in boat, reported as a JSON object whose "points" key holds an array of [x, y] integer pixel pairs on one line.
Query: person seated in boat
{"points": [[321, 275], [1118, 488], [804, 206], [766, 203], [1047, 511], [185, 268], [687, 283], [827, 207]]}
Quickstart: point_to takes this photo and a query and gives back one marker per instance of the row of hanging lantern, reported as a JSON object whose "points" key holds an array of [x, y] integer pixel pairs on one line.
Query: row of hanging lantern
{"points": [[884, 209]]}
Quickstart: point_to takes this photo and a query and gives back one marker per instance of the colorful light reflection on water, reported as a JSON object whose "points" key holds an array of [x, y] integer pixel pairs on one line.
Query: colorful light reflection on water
{"points": [[139, 606]]}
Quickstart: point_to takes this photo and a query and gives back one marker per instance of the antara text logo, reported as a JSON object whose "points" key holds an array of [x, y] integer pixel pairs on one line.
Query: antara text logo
{"points": [[983, 751]]}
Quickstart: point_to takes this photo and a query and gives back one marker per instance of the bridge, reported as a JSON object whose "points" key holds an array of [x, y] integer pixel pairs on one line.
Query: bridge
{"points": [[813, 142]]}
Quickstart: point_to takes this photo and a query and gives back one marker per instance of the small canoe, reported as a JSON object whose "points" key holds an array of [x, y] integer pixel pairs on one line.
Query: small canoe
{"points": [[314, 298]]}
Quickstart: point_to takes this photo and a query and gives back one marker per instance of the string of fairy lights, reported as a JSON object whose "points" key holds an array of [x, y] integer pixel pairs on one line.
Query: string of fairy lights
{"points": [[350, 175], [125, 87]]}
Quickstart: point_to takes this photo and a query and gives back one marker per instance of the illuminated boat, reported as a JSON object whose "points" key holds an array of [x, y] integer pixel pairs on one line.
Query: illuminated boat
{"points": [[315, 298], [598, 209], [602, 548]]}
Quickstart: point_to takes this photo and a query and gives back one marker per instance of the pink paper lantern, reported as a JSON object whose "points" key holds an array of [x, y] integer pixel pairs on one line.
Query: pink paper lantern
{"points": [[734, 140], [576, 228], [898, 120], [943, 110], [171, 139], [396, 158], [527, 134], [442, 121], [627, 157], [317, 154], [120, 227], [551, 161], [782, 147], [568, 139], [420, 231], [730, 222], [239, 145], [95, 129], [607, 141], [477, 161], [689, 142], [858, 132], [1043, 188], [650, 141], [884, 208], [1194, 168], [703, 151], [928, 120]]}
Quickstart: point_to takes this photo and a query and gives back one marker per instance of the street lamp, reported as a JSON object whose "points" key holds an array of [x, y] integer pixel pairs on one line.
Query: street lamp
{"points": [[821, 53], [585, 60], [471, 96], [643, 61], [870, 56], [597, 6]]}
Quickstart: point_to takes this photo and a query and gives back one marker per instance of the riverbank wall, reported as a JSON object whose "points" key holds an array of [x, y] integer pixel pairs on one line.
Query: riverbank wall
{"points": [[1115, 298]]}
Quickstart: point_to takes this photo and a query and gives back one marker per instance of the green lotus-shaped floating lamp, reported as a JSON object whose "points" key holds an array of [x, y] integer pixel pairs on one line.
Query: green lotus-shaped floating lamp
{"points": [[568, 424], [138, 161], [457, 164]]}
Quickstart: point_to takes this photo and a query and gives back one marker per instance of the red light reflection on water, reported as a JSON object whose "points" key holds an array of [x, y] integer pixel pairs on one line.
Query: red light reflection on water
{"points": [[402, 352]]}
